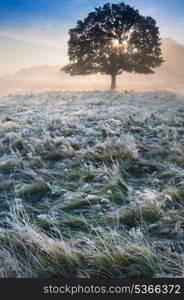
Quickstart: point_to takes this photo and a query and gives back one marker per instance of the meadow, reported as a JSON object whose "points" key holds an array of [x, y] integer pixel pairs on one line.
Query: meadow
{"points": [[92, 184]]}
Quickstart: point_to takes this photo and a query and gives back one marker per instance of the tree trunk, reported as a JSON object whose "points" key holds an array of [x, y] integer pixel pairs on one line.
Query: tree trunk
{"points": [[113, 81]]}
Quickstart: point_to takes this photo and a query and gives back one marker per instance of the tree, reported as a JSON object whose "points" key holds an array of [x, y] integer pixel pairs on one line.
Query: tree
{"points": [[113, 39]]}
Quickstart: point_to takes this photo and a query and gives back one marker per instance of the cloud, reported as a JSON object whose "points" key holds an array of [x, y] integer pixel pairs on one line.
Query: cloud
{"points": [[27, 38]]}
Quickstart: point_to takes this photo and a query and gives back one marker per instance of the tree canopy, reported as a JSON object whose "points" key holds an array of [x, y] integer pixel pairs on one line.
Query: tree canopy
{"points": [[113, 39]]}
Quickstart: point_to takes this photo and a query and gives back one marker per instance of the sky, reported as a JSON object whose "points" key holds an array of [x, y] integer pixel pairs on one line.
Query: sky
{"points": [[36, 32]]}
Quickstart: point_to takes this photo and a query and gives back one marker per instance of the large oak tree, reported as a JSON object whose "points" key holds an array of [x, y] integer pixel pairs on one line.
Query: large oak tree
{"points": [[113, 39]]}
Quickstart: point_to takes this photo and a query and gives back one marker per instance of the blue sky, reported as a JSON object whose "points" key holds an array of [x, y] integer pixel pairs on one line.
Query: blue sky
{"points": [[36, 32]]}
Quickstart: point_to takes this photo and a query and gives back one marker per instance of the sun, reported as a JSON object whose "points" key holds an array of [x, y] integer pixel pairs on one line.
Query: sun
{"points": [[115, 43]]}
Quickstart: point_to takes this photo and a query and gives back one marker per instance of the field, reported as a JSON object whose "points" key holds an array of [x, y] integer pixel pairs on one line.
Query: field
{"points": [[92, 184]]}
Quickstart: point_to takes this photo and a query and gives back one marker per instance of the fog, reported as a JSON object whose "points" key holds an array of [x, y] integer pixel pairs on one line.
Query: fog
{"points": [[170, 76]]}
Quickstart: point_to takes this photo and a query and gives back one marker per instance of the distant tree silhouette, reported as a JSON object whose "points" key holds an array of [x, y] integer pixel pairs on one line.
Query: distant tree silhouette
{"points": [[113, 39]]}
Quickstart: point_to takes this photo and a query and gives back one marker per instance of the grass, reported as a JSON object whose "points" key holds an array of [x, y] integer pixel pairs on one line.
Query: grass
{"points": [[81, 203], [6, 185], [174, 196], [105, 253], [10, 165], [134, 216], [123, 262], [34, 191], [109, 151], [7, 119], [91, 187]]}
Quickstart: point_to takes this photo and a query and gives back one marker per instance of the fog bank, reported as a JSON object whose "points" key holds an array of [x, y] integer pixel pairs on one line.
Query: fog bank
{"points": [[170, 76]]}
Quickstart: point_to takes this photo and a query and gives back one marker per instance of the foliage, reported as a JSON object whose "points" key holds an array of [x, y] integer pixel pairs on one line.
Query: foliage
{"points": [[113, 39]]}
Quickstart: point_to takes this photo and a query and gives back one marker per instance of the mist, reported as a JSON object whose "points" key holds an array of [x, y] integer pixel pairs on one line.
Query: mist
{"points": [[170, 76]]}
